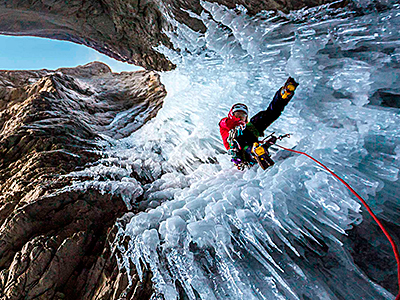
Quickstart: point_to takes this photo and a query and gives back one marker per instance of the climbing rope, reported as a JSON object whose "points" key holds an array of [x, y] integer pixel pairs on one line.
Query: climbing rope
{"points": [[394, 246]]}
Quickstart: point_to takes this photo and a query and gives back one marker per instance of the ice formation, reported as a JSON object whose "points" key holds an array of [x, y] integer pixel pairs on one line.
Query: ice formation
{"points": [[209, 231]]}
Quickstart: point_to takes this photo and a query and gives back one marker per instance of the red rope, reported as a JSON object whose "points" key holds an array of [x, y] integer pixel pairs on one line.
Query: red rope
{"points": [[394, 246]]}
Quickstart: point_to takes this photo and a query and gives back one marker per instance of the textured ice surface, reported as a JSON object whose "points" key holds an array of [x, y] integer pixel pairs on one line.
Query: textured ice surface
{"points": [[212, 232]]}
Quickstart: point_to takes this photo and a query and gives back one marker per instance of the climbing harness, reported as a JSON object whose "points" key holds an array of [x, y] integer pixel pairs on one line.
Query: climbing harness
{"points": [[238, 156], [394, 246]]}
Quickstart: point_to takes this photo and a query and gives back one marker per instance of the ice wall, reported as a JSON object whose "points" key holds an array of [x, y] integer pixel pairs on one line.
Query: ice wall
{"points": [[210, 231]]}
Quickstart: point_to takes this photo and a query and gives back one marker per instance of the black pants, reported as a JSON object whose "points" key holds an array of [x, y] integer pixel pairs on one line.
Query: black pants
{"points": [[255, 128], [264, 118]]}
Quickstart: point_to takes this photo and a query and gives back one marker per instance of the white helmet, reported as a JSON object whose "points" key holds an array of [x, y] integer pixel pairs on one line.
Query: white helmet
{"points": [[239, 107]]}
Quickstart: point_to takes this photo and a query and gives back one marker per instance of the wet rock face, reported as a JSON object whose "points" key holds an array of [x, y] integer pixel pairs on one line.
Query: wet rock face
{"points": [[123, 29], [55, 241]]}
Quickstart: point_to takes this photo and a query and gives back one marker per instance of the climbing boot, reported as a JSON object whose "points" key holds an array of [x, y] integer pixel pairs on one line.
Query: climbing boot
{"points": [[288, 88]]}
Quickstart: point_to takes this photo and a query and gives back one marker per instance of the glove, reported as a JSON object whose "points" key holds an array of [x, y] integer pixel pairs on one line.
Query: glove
{"points": [[236, 158], [288, 88]]}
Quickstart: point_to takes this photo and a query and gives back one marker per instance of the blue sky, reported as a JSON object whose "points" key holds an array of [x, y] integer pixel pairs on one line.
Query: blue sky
{"points": [[32, 53]]}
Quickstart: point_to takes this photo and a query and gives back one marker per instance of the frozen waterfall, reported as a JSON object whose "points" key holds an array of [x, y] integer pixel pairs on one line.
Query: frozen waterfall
{"points": [[209, 231]]}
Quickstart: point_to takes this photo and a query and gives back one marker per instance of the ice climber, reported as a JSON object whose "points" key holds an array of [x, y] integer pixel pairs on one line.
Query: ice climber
{"points": [[239, 134]]}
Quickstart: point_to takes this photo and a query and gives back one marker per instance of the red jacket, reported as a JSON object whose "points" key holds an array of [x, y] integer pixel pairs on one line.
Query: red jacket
{"points": [[258, 124], [226, 124]]}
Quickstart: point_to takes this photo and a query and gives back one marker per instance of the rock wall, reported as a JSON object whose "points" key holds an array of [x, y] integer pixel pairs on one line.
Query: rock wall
{"points": [[55, 241], [123, 29]]}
